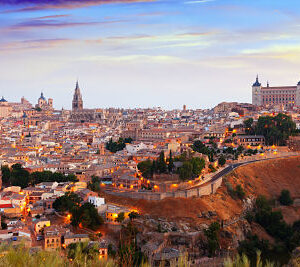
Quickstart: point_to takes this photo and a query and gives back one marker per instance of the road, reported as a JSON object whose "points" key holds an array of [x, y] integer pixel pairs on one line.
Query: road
{"points": [[230, 168]]}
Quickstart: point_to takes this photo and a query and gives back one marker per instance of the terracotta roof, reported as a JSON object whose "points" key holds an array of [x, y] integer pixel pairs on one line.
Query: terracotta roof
{"points": [[3, 206]]}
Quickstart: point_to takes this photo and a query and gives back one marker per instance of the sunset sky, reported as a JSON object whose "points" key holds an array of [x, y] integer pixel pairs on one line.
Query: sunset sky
{"points": [[147, 53]]}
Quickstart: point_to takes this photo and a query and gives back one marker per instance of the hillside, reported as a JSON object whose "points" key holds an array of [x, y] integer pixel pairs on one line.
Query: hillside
{"points": [[267, 178]]}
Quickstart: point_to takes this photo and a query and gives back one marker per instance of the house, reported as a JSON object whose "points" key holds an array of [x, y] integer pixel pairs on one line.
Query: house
{"points": [[52, 239], [112, 212], [40, 224], [96, 201], [75, 238], [249, 140]]}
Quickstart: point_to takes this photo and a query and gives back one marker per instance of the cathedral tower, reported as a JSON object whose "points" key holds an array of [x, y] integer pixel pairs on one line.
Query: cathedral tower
{"points": [[77, 103]]}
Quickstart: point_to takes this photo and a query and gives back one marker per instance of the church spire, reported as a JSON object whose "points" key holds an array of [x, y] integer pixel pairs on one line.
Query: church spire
{"points": [[77, 103]]}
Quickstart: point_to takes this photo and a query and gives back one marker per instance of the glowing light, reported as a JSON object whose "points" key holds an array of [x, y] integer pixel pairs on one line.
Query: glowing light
{"points": [[155, 187], [174, 185], [148, 182], [190, 182]]}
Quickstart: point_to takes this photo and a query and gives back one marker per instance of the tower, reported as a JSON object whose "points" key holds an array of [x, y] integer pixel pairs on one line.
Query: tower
{"points": [[256, 93], [50, 102], [42, 101], [297, 98], [77, 103]]}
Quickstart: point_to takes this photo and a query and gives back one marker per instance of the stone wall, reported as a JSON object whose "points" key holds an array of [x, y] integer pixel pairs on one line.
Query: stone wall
{"points": [[209, 188]]}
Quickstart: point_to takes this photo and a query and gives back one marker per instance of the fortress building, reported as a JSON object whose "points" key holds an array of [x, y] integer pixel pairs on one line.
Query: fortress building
{"points": [[286, 96]]}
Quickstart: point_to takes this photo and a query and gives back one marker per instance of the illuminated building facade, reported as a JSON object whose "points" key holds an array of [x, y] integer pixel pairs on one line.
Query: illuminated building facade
{"points": [[286, 96]]}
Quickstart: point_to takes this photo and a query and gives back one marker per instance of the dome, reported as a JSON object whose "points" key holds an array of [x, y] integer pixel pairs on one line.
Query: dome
{"points": [[257, 83], [42, 97], [2, 100]]}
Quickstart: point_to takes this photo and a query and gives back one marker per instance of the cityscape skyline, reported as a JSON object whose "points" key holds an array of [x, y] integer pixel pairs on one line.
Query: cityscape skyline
{"points": [[146, 53]]}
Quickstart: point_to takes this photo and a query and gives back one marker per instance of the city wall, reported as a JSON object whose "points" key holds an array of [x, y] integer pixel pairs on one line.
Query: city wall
{"points": [[207, 189]]}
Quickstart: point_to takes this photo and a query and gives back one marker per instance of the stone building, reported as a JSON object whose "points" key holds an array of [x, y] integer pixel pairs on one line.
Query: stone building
{"points": [[286, 96], [77, 103], [44, 104]]}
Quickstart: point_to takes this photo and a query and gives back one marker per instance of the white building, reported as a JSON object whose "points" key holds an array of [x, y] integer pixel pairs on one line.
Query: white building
{"points": [[96, 201]]}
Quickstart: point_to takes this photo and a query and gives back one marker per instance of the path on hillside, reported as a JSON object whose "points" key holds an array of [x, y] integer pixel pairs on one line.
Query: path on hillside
{"points": [[232, 167]]}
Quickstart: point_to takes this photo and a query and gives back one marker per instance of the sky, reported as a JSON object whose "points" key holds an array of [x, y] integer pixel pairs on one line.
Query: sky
{"points": [[146, 53]]}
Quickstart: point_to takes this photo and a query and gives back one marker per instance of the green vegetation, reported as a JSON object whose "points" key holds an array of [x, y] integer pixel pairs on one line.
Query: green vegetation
{"points": [[117, 146], [244, 261], [20, 256], [211, 168], [276, 130], [48, 176], [16, 176], [121, 217], [212, 238], [287, 237], [19, 176], [94, 184], [238, 192], [133, 215], [198, 146], [285, 198], [85, 215], [82, 250], [67, 202], [191, 168], [129, 254], [222, 160]]}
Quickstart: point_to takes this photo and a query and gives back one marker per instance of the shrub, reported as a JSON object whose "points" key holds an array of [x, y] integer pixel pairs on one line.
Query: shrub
{"points": [[285, 198], [239, 191]]}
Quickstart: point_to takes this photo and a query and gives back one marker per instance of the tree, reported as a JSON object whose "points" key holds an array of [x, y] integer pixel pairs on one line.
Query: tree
{"points": [[5, 175], [146, 168], [285, 198], [88, 216], [19, 176], [198, 165], [212, 236], [222, 160], [198, 146], [239, 191], [121, 217], [67, 202], [170, 162], [3, 225], [276, 130], [186, 171], [161, 163], [133, 215], [248, 126], [117, 146]]}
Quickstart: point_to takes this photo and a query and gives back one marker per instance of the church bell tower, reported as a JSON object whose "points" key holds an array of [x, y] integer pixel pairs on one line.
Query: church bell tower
{"points": [[77, 103]]}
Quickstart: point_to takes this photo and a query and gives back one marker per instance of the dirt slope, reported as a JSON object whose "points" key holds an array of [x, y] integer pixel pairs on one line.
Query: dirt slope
{"points": [[267, 178]]}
